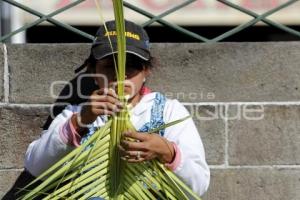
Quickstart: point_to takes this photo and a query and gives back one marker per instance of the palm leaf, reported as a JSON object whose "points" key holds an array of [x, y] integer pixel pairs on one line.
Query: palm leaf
{"points": [[96, 168]]}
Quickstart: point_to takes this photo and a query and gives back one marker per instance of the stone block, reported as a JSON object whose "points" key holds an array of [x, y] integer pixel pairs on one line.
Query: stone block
{"points": [[211, 128], [255, 183], [19, 127], [267, 136]]}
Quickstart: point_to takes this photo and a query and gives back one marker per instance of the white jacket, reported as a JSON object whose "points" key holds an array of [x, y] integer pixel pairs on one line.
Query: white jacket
{"points": [[193, 169]]}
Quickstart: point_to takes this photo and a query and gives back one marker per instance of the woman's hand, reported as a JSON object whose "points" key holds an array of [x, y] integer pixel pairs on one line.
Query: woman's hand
{"points": [[139, 147], [102, 102]]}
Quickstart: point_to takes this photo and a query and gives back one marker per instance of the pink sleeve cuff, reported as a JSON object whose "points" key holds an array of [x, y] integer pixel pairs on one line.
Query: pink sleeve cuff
{"points": [[69, 135], [175, 163]]}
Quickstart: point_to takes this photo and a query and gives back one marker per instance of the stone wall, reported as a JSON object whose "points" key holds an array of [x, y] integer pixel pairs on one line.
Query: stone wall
{"points": [[244, 98]]}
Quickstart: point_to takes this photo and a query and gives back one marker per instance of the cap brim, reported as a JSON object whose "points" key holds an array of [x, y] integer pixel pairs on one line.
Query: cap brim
{"points": [[101, 51]]}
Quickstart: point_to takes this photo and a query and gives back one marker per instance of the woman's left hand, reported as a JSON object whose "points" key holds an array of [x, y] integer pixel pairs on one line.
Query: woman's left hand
{"points": [[139, 147]]}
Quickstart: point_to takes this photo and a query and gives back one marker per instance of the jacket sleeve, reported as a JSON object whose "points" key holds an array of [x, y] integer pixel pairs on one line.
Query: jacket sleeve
{"points": [[192, 167], [49, 148]]}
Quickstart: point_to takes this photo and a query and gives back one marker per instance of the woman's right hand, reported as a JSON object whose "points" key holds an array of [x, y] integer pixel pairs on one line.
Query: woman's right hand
{"points": [[102, 102]]}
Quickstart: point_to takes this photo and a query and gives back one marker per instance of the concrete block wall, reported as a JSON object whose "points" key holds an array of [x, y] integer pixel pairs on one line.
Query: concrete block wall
{"points": [[244, 98]]}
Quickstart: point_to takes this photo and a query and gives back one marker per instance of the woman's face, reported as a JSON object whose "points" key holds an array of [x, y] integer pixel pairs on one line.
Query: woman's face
{"points": [[134, 79]]}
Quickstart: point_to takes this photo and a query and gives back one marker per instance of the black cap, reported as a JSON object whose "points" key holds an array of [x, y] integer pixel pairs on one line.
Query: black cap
{"points": [[137, 41]]}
